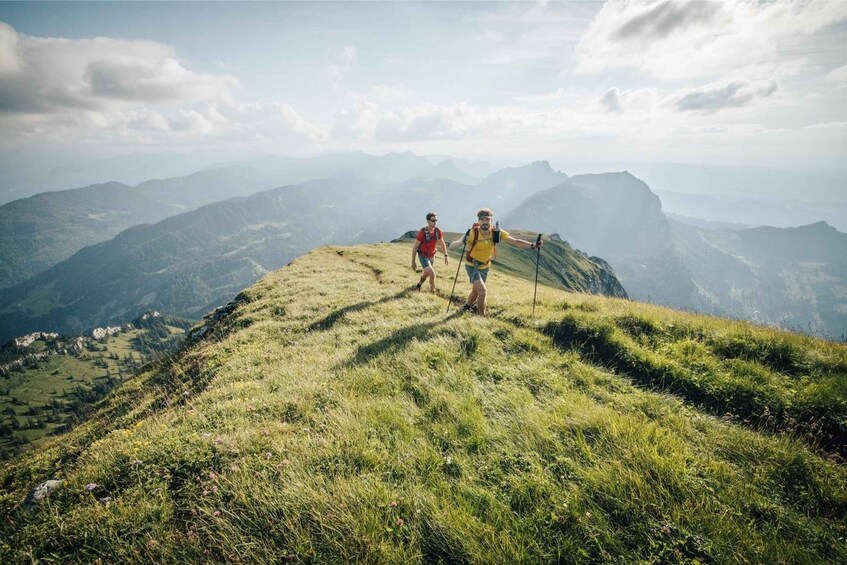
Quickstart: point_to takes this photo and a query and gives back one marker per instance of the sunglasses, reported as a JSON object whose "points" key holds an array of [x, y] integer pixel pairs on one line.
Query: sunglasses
{"points": [[432, 220]]}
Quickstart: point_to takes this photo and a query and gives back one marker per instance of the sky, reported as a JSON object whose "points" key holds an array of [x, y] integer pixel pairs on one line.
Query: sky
{"points": [[726, 83]]}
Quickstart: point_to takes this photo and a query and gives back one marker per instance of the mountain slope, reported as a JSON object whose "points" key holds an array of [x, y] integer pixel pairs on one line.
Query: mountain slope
{"points": [[795, 277], [617, 217], [792, 277], [48, 382], [331, 415], [40, 231], [455, 202], [186, 264], [192, 262]]}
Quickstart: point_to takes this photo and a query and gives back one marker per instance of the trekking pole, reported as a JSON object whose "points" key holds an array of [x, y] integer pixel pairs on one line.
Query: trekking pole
{"points": [[462, 256], [537, 260]]}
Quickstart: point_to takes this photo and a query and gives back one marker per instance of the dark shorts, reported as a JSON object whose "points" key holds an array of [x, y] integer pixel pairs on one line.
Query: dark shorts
{"points": [[475, 273], [425, 261]]}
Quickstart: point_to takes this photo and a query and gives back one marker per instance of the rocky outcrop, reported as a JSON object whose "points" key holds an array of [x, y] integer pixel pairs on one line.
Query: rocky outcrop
{"points": [[40, 493], [607, 283], [219, 321], [102, 333]]}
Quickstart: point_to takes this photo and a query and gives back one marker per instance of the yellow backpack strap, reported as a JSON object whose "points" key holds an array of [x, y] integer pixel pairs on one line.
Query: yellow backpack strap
{"points": [[475, 229]]}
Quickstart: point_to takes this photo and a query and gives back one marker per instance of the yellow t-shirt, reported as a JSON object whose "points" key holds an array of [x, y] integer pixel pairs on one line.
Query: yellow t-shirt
{"points": [[485, 246]]}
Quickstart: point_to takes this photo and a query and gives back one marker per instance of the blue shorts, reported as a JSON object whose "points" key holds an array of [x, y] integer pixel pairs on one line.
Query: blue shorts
{"points": [[475, 273], [425, 261]]}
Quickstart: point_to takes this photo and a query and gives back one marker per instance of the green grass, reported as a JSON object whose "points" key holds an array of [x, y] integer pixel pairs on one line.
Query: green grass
{"points": [[29, 395], [338, 417]]}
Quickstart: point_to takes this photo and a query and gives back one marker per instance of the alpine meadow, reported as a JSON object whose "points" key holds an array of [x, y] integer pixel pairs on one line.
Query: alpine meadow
{"points": [[333, 414], [425, 283]]}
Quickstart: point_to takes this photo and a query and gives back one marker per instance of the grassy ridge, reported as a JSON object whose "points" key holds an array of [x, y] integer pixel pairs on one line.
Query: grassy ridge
{"points": [[336, 416]]}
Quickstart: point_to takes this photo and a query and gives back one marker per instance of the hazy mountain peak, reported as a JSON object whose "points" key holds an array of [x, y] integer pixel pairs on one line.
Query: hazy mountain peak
{"points": [[819, 227], [544, 164]]}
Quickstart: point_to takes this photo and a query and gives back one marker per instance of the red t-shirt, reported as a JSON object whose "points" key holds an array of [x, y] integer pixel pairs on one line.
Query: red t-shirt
{"points": [[427, 248]]}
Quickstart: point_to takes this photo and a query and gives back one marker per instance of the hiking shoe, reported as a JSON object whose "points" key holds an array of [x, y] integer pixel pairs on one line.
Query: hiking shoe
{"points": [[418, 286], [469, 308]]}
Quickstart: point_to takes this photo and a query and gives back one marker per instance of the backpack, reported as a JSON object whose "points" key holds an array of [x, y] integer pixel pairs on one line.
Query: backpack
{"points": [[428, 236], [475, 229]]}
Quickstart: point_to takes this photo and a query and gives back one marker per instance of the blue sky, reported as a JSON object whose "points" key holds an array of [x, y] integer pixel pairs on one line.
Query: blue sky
{"points": [[734, 82]]}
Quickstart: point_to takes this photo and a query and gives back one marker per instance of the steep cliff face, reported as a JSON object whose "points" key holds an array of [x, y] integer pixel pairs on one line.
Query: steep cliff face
{"points": [[617, 217], [607, 282], [607, 214]]}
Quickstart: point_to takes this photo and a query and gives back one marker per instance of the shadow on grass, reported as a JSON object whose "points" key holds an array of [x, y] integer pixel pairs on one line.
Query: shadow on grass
{"points": [[333, 318], [396, 341], [739, 401]]}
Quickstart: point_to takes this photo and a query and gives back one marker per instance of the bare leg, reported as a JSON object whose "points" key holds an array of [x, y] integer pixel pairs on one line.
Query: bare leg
{"points": [[431, 278], [472, 297], [479, 290]]}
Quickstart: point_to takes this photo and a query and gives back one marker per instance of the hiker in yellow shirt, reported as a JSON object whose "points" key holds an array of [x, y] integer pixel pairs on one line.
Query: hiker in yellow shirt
{"points": [[480, 241]]}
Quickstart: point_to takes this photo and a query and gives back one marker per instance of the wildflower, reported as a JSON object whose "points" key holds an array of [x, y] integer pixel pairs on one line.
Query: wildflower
{"points": [[216, 513], [207, 434], [666, 529], [105, 499], [393, 503], [151, 543], [399, 521], [90, 486], [137, 463], [268, 455]]}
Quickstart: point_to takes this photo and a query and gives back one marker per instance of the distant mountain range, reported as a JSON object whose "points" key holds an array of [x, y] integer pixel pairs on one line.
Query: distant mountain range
{"points": [[793, 277], [190, 262], [38, 232], [755, 211]]}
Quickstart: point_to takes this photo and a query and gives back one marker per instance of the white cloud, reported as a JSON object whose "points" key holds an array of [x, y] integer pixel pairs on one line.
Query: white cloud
{"points": [[829, 125], [153, 80], [671, 39], [105, 90], [47, 75], [839, 75], [714, 97], [343, 59], [642, 100], [9, 59]]}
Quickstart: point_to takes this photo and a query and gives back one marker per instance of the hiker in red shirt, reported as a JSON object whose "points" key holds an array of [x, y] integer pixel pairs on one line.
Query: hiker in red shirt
{"points": [[428, 237]]}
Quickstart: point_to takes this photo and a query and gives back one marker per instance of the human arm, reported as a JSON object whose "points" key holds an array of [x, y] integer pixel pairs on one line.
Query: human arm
{"points": [[456, 243], [414, 253], [523, 244], [440, 243]]}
